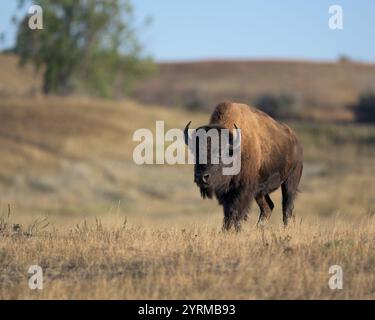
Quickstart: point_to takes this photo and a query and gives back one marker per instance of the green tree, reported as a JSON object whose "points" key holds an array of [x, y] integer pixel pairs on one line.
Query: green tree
{"points": [[89, 44]]}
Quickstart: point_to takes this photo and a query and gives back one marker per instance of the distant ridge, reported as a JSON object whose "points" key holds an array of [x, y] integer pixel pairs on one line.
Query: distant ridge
{"points": [[323, 88]]}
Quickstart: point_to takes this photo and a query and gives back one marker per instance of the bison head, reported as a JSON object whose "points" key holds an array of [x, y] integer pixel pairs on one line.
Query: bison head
{"points": [[212, 146]]}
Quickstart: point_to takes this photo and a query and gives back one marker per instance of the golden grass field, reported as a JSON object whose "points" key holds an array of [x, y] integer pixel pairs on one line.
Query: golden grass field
{"points": [[121, 261], [73, 201], [67, 173]]}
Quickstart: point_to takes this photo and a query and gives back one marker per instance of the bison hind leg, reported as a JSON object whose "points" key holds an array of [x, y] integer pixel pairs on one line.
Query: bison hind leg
{"points": [[289, 190], [266, 206], [269, 201]]}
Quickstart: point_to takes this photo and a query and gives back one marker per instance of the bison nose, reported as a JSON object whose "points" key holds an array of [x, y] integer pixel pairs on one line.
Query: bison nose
{"points": [[205, 178]]}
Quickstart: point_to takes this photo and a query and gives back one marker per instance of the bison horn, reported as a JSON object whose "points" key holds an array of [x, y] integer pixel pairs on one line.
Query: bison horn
{"points": [[236, 137], [186, 133]]}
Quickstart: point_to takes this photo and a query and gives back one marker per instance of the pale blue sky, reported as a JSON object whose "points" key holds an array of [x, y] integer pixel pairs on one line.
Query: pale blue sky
{"points": [[246, 29]]}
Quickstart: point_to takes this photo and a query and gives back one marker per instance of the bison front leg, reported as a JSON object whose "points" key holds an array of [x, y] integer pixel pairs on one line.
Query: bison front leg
{"points": [[235, 211], [232, 219]]}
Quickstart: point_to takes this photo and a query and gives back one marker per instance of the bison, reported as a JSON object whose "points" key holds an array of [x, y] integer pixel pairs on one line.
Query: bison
{"points": [[271, 156]]}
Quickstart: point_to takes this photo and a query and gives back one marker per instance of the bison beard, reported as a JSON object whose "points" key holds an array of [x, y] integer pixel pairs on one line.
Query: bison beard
{"points": [[271, 157], [206, 192]]}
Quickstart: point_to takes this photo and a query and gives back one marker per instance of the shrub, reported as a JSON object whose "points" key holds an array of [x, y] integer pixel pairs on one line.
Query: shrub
{"points": [[277, 106], [195, 100], [364, 109]]}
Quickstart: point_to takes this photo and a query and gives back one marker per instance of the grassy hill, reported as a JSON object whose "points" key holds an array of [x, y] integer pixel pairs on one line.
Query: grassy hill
{"points": [[71, 157], [16, 81]]}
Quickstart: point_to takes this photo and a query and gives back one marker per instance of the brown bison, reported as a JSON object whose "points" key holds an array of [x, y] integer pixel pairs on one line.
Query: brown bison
{"points": [[271, 156]]}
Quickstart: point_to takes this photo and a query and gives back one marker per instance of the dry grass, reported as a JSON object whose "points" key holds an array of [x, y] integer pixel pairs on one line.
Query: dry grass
{"points": [[99, 261]]}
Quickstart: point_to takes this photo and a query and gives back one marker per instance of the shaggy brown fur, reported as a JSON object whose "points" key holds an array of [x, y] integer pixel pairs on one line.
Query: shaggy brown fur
{"points": [[271, 156]]}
